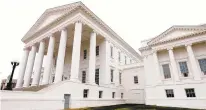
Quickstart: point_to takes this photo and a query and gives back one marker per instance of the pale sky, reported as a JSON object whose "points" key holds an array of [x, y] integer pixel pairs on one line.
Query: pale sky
{"points": [[133, 20]]}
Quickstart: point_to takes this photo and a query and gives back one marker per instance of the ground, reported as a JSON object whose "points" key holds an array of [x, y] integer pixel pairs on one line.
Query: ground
{"points": [[132, 107]]}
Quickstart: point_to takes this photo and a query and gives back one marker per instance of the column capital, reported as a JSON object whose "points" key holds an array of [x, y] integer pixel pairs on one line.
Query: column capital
{"points": [[26, 48], [79, 21], [62, 28], [154, 51], [169, 48], [50, 35], [188, 44], [94, 31]]}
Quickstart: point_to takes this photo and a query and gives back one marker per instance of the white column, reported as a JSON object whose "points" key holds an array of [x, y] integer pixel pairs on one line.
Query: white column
{"points": [[92, 58], [29, 67], [173, 64], [49, 61], [61, 56], [195, 69], [38, 64], [157, 67], [22, 68], [104, 63], [76, 51]]}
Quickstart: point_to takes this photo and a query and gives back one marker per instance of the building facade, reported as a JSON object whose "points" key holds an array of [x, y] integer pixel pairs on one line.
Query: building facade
{"points": [[175, 67], [71, 59]]}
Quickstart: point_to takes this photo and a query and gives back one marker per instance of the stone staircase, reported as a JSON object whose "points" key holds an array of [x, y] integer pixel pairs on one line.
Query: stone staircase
{"points": [[31, 88]]}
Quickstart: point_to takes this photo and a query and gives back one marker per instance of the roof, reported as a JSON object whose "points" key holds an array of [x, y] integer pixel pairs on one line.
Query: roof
{"points": [[66, 9]]}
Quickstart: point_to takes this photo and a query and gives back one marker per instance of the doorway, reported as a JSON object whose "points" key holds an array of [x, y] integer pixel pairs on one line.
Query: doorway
{"points": [[66, 100]]}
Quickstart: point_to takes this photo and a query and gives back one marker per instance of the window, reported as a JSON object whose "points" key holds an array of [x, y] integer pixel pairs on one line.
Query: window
{"points": [[112, 73], [125, 59], [122, 95], [100, 94], [169, 93], [136, 79], [166, 71], [64, 77], [97, 50], [97, 76], [184, 69], [113, 95], [85, 93], [120, 78], [53, 78], [190, 92], [119, 56], [83, 76], [202, 63], [85, 54], [111, 49]]}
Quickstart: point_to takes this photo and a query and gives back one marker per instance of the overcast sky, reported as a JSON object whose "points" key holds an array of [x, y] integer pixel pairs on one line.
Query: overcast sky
{"points": [[133, 20]]}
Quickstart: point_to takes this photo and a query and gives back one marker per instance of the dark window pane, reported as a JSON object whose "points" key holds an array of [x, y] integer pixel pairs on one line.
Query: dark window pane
{"points": [[166, 71], [97, 76], [85, 54], [97, 50]]}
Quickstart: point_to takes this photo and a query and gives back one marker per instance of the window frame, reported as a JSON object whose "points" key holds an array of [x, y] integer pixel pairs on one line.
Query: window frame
{"points": [[169, 93], [84, 80], [119, 56], [188, 67], [162, 71], [96, 78], [97, 50], [100, 94], [199, 58], [112, 75], [122, 95], [113, 95], [125, 59], [85, 93], [120, 77], [190, 94], [136, 79], [111, 51], [84, 54]]}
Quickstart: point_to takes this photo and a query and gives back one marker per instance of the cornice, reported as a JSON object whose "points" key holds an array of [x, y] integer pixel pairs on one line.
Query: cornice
{"points": [[173, 28], [179, 38], [144, 48]]}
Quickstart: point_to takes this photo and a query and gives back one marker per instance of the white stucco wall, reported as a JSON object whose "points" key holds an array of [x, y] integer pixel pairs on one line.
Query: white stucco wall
{"points": [[53, 97], [134, 92]]}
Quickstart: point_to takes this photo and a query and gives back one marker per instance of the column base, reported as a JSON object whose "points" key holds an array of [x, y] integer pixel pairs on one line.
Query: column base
{"points": [[34, 85], [92, 83], [197, 79], [75, 80]]}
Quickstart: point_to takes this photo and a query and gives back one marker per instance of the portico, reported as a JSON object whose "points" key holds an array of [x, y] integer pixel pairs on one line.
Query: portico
{"points": [[171, 51], [54, 49]]}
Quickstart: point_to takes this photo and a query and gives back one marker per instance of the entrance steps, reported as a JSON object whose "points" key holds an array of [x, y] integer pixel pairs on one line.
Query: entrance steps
{"points": [[31, 88]]}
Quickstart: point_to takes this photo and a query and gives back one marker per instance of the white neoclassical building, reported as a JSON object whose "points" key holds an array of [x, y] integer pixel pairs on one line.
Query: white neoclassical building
{"points": [[175, 67], [72, 59]]}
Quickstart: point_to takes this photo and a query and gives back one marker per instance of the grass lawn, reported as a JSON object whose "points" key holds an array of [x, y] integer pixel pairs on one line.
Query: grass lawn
{"points": [[132, 107]]}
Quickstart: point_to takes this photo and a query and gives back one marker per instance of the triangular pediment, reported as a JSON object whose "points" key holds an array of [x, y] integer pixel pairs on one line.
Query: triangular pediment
{"points": [[176, 32], [51, 15], [49, 19]]}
